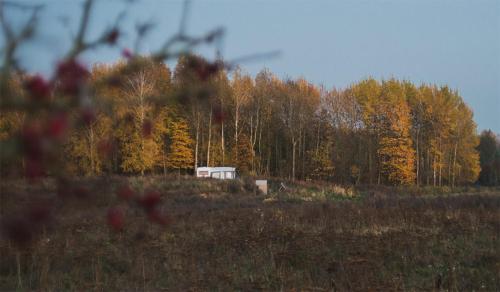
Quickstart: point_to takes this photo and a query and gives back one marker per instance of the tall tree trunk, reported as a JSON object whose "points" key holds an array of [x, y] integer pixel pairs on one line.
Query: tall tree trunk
{"points": [[258, 130], [299, 142], [370, 160], [434, 169], [454, 164], [440, 161], [209, 136], [260, 140], [317, 139], [197, 135], [276, 157], [429, 166], [303, 155], [222, 141], [418, 160], [268, 165], [257, 122], [236, 122], [251, 128]]}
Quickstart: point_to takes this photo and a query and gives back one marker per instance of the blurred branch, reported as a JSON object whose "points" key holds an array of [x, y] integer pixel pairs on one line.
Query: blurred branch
{"points": [[9, 35], [142, 30], [253, 58], [12, 40], [79, 43], [184, 16]]}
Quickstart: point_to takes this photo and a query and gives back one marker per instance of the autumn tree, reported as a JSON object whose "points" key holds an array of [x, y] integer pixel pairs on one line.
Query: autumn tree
{"points": [[366, 94], [463, 158], [83, 144], [321, 161], [202, 89], [242, 87], [223, 93], [180, 154], [340, 125], [298, 102], [396, 154], [259, 114], [192, 97], [142, 122], [11, 122], [244, 154]]}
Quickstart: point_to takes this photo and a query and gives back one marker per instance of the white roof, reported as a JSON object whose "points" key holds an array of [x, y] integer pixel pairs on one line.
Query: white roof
{"points": [[220, 168]]}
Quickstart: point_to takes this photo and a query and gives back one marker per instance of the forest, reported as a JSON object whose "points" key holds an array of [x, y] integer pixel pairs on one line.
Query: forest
{"points": [[154, 120], [381, 185]]}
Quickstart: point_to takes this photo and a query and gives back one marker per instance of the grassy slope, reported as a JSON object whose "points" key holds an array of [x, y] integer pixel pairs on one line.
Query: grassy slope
{"points": [[224, 237]]}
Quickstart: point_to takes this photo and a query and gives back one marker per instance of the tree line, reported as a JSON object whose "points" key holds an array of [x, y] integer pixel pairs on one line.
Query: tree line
{"points": [[154, 120], [489, 149]]}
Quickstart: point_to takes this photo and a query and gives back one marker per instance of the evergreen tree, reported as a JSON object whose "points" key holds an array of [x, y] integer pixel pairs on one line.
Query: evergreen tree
{"points": [[489, 150]]}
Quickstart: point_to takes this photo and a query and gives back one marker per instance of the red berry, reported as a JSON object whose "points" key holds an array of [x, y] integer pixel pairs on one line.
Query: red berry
{"points": [[213, 68], [33, 169], [87, 116], [38, 88], [31, 139], [147, 128], [112, 36], [125, 192], [104, 148], [57, 126], [126, 53], [203, 69], [155, 216], [219, 116], [150, 200], [72, 76], [116, 218]]}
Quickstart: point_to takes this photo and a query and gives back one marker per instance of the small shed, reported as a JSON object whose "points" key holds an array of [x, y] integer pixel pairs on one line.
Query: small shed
{"points": [[262, 185]]}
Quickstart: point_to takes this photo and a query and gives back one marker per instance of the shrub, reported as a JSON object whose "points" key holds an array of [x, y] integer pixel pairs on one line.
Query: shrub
{"points": [[234, 187], [249, 184]]}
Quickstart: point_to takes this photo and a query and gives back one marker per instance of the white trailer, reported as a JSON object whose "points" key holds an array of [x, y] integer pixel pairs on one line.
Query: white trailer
{"points": [[216, 172]]}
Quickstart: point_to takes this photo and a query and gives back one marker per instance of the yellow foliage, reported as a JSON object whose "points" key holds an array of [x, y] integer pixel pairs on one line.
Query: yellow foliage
{"points": [[180, 155]]}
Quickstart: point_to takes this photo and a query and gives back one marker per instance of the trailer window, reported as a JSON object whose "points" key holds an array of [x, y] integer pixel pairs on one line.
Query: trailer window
{"points": [[216, 174], [202, 173], [229, 174]]}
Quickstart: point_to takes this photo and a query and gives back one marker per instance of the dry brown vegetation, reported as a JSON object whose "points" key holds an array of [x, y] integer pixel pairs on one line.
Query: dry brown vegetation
{"points": [[226, 236]]}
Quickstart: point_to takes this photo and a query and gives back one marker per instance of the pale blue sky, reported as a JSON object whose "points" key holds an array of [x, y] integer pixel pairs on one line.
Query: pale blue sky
{"points": [[334, 43]]}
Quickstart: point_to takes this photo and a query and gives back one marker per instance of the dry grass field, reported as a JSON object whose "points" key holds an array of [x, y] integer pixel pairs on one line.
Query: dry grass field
{"points": [[226, 236]]}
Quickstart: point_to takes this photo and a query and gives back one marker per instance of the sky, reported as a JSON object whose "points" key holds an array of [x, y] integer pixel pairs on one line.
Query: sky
{"points": [[328, 42]]}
